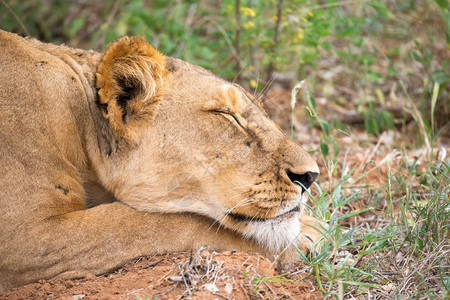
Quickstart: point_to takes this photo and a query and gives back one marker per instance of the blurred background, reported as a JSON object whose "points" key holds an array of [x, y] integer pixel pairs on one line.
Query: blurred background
{"points": [[362, 58]]}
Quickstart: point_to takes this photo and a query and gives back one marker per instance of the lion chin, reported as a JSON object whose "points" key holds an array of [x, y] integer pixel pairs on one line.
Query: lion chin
{"points": [[277, 233], [274, 235], [105, 157]]}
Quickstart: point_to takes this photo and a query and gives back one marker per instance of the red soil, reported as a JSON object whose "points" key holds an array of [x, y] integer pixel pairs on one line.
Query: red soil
{"points": [[208, 275]]}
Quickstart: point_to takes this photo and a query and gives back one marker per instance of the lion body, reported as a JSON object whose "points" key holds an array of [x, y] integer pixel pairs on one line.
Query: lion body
{"points": [[108, 157]]}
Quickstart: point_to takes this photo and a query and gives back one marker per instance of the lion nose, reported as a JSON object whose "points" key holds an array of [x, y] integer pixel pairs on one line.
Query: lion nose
{"points": [[305, 179]]}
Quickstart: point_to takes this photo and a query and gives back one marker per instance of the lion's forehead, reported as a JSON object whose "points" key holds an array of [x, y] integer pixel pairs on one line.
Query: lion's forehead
{"points": [[198, 88], [238, 101]]}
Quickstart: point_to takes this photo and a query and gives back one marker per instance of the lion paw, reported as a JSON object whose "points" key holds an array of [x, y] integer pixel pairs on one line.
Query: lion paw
{"points": [[310, 232]]}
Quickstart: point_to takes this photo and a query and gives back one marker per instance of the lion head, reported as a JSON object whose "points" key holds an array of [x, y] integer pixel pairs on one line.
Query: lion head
{"points": [[180, 139]]}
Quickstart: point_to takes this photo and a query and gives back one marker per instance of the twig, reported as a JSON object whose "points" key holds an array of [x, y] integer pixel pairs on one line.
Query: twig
{"points": [[152, 264], [109, 20], [275, 38], [197, 255], [237, 34], [243, 290], [334, 4], [134, 292], [187, 28], [224, 34], [188, 290], [16, 17], [252, 52], [156, 296], [300, 271], [223, 296]]}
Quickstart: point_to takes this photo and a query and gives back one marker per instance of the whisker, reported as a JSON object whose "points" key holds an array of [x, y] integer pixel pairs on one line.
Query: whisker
{"points": [[256, 88], [239, 194], [266, 88], [242, 186], [239, 73], [241, 203]]}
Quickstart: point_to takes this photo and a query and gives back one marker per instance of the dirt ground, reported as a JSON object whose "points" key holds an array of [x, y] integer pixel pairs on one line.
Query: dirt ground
{"points": [[201, 275]]}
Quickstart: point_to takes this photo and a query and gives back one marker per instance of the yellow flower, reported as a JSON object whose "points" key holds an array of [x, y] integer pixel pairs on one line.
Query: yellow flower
{"points": [[310, 13], [249, 24], [247, 11], [274, 19], [299, 36], [253, 83], [288, 10]]}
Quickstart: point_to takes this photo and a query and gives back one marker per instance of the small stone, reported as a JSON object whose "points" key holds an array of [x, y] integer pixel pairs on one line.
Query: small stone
{"points": [[211, 287], [388, 287], [176, 278], [228, 288]]}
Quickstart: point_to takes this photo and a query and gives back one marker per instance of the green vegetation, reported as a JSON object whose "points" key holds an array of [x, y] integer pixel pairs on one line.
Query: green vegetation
{"points": [[364, 46], [378, 73]]}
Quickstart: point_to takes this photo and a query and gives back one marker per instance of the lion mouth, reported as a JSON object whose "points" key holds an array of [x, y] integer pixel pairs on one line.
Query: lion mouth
{"points": [[243, 218]]}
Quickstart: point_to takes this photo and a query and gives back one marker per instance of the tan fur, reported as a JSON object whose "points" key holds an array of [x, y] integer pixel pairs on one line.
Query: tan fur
{"points": [[107, 157]]}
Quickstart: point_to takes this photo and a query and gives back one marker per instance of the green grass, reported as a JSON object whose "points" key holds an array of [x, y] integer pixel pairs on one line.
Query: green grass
{"points": [[406, 252], [410, 249]]}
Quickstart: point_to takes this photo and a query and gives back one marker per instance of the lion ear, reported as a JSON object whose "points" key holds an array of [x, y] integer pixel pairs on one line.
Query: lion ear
{"points": [[130, 81]]}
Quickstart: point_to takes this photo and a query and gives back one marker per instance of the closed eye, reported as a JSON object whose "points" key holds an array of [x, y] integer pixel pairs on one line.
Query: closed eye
{"points": [[240, 120], [233, 117]]}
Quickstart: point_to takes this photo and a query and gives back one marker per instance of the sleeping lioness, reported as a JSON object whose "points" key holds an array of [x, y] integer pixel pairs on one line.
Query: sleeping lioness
{"points": [[107, 157]]}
